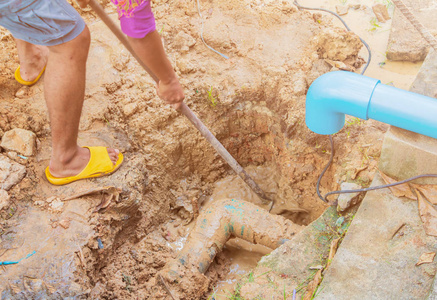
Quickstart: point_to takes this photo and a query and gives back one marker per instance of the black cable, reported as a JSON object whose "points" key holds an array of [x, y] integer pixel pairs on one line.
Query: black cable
{"points": [[360, 190], [324, 170], [330, 137], [345, 25]]}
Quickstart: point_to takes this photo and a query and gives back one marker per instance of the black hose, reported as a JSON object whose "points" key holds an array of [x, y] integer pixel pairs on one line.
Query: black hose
{"points": [[325, 169], [330, 137], [325, 198]]}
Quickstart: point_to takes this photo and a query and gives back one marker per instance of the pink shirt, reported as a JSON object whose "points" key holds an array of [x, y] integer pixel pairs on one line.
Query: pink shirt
{"points": [[136, 17], [126, 7]]}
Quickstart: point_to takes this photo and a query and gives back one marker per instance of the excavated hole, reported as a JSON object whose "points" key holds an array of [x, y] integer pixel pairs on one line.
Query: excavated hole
{"points": [[255, 134]]}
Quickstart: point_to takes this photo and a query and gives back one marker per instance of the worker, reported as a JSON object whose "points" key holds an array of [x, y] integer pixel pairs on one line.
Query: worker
{"points": [[51, 36]]}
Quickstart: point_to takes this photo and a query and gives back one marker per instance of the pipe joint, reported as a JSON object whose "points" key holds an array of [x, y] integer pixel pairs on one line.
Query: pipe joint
{"points": [[328, 100]]}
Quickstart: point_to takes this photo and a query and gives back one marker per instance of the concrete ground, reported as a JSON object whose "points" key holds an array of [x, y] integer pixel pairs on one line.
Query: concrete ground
{"points": [[406, 43]]}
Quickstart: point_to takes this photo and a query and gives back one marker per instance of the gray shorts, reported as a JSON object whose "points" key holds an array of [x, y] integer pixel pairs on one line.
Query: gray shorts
{"points": [[41, 22]]}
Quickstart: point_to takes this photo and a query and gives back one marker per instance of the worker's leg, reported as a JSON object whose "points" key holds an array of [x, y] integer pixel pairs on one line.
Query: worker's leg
{"points": [[57, 25], [64, 88], [32, 57]]}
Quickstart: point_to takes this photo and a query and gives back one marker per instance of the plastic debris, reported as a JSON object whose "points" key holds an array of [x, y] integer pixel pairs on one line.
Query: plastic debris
{"points": [[99, 242], [4, 263]]}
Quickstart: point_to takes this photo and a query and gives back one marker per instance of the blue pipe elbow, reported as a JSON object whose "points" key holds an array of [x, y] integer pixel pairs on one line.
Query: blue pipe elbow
{"points": [[335, 94]]}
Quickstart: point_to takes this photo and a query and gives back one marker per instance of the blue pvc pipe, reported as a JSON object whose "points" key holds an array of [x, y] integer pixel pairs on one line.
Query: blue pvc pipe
{"points": [[335, 94]]}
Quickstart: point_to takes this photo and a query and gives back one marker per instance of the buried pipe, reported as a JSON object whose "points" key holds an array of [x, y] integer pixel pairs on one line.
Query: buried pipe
{"points": [[218, 222], [335, 94]]}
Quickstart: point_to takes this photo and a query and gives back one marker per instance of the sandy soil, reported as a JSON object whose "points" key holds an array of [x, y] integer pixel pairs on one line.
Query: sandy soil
{"points": [[254, 102]]}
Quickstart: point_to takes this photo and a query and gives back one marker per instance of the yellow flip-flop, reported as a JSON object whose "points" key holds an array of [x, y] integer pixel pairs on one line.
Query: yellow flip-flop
{"points": [[24, 82], [99, 165]]}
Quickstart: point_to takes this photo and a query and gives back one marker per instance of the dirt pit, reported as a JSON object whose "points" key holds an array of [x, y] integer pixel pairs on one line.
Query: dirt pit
{"points": [[254, 103]]}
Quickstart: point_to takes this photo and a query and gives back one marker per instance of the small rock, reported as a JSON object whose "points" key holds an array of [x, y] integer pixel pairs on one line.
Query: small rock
{"points": [[57, 205], [19, 140], [11, 173], [113, 87], [317, 17], [185, 66], [381, 13], [4, 199], [342, 10], [337, 44], [120, 61], [22, 92], [346, 200], [64, 223], [12, 155], [130, 109], [183, 42]]}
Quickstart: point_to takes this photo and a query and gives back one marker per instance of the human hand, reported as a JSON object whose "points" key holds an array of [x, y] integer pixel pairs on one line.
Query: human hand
{"points": [[171, 92], [83, 3]]}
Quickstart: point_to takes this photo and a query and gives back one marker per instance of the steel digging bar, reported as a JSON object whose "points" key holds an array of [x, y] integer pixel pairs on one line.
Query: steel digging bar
{"points": [[184, 109]]}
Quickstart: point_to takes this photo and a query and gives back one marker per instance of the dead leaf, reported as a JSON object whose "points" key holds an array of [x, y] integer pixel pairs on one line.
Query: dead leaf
{"points": [[105, 189], [109, 193], [339, 65], [312, 286], [401, 190], [357, 171], [428, 214], [428, 190], [81, 258], [426, 258], [107, 200], [332, 251]]}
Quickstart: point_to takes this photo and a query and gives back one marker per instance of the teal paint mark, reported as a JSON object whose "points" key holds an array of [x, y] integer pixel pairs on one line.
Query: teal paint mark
{"points": [[204, 223], [231, 226], [242, 230], [233, 209]]}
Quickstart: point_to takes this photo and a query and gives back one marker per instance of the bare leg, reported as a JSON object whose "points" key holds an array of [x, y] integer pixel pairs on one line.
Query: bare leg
{"points": [[64, 88], [152, 53], [33, 58]]}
